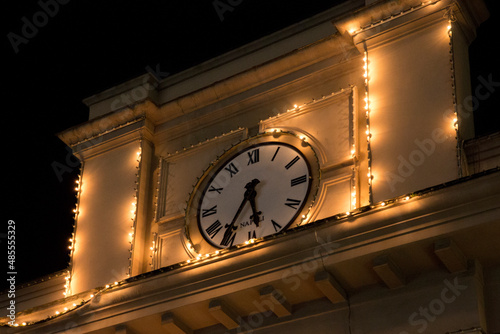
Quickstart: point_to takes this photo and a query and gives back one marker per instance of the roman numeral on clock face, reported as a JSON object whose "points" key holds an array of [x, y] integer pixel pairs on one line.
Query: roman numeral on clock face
{"points": [[298, 180], [293, 203], [276, 153], [251, 235], [213, 229], [218, 190], [277, 227], [231, 168], [209, 212], [291, 163], [228, 238], [253, 157]]}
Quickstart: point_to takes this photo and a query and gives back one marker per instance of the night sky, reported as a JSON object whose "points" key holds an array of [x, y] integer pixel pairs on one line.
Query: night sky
{"points": [[84, 47]]}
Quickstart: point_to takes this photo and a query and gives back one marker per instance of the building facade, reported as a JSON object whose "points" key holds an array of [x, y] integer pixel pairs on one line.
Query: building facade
{"points": [[324, 178]]}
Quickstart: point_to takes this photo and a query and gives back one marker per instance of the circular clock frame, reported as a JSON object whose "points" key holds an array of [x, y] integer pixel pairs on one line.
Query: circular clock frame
{"points": [[196, 227]]}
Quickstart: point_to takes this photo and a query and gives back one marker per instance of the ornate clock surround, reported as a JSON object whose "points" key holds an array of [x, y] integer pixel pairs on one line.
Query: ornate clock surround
{"points": [[198, 239]]}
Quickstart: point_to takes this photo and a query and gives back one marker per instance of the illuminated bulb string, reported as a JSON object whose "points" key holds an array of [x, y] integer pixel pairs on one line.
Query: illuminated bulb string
{"points": [[353, 190], [133, 211], [199, 257], [366, 99], [154, 247], [154, 250], [72, 240], [354, 31], [451, 19]]}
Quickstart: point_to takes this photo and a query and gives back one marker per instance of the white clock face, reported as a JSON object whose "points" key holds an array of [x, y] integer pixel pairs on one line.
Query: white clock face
{"points": [[257, 192]]}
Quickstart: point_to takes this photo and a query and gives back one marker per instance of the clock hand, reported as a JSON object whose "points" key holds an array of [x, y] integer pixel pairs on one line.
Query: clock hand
{"points": [[251, 198], [249, 193], [236, 215], [255, 214]]}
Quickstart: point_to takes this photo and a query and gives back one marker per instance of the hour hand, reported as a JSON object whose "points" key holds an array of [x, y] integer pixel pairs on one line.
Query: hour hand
{"points": [[250, 195], [255, 214]]}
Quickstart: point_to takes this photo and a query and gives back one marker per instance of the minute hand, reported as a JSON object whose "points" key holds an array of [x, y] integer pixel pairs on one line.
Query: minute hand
{"points": [[250, 194], [245, 199]]}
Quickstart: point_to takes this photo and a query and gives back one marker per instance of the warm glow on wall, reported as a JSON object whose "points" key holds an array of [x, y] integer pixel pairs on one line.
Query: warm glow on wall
{"points": [[133, 210], [153, 250], [454, 118], [72, 239], [368, 134]]}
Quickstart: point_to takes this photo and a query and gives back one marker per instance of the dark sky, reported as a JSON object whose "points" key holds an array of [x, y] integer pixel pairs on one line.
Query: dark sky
{"points": [[84, 47]]}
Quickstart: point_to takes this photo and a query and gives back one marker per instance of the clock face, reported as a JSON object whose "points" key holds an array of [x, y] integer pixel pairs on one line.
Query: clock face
{"points": [[254, 193]]}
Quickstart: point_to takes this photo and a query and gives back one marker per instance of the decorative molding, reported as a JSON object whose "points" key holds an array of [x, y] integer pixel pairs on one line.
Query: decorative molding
{"points": [[195, 148], [104, 124], [449, 209], [279, 121], [323, 191], [240, 83], [231, 137], [138, 129]]}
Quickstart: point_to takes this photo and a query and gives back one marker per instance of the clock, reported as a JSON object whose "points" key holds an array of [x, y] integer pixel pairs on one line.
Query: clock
{"points": [[256, 189]]}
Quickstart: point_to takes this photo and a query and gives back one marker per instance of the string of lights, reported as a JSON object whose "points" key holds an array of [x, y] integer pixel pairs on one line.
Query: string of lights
{"points": [[198, 258], [72, 240], [356, 30], [366, 77], [451, 18], [134, 209], [217, 255]]}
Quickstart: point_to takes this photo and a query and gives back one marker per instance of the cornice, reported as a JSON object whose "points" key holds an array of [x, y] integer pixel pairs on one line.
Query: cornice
{"points": [[260, 75], [444, 209], [383, 16], [135, 130], [104, 124]]}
